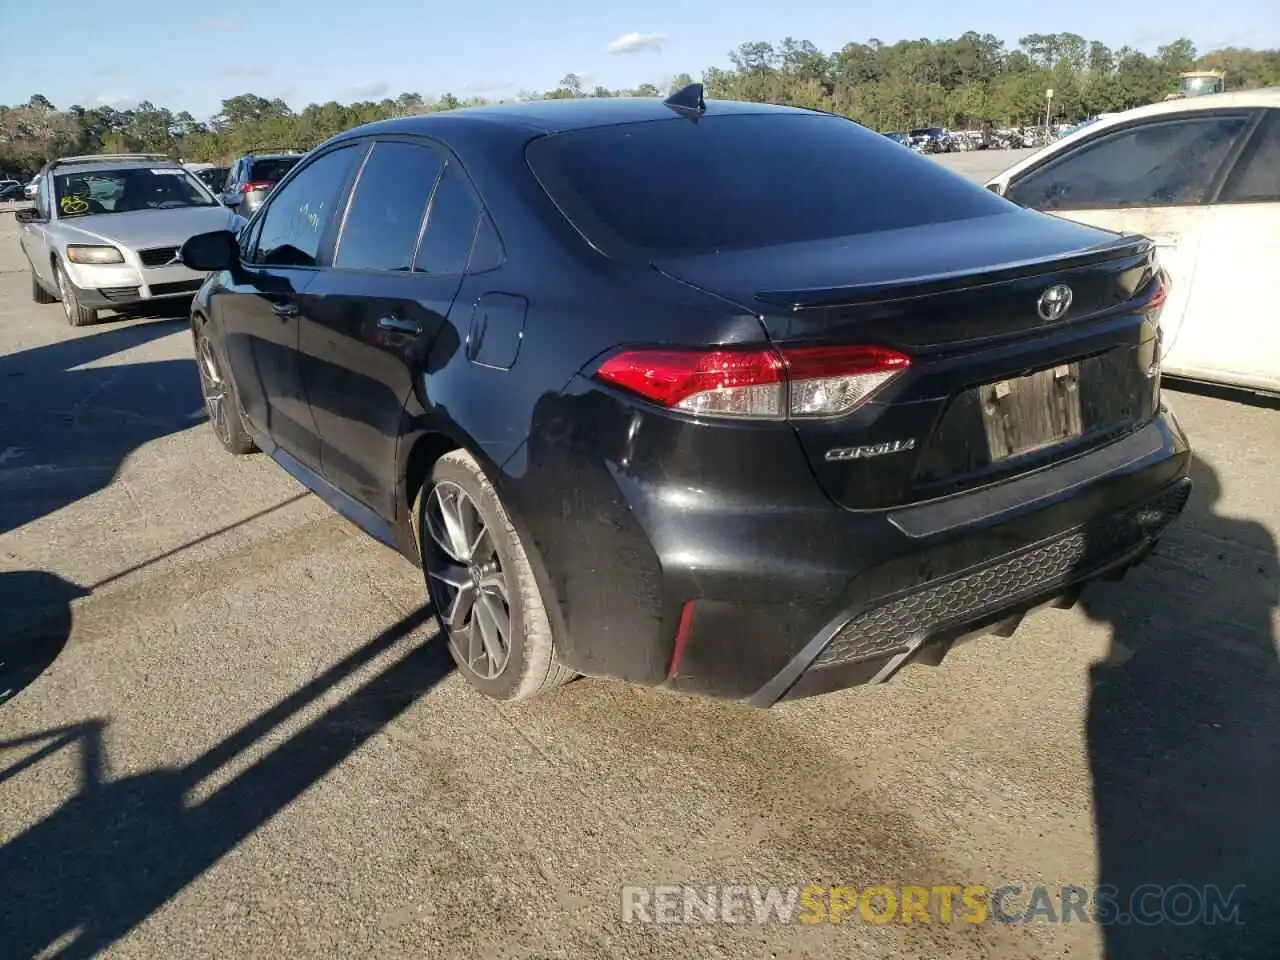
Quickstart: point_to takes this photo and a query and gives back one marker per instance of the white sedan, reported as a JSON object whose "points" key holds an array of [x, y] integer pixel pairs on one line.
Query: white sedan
{"points": [[1200, 177]]}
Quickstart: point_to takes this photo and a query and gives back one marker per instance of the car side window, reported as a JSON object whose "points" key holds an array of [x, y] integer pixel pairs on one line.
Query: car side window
{"points": [[451, 225], [1161, 163], [487, 251], [384, 221], [1257, 175], [295, 221]]}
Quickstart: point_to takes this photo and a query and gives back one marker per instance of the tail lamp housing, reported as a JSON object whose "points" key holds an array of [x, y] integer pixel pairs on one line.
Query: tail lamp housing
{"points": [[767, 383]]}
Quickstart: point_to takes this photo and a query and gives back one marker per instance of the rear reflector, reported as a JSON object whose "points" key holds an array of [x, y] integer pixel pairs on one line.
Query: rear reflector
{"points": [[770, 383], [1157, 301], [257, 185]]}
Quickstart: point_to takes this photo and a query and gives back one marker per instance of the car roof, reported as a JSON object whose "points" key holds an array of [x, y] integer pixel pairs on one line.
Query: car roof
{"points": [[559, 116], [1263, 97]]}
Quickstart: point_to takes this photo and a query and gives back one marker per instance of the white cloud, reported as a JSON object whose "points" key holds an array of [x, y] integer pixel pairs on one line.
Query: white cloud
{"points": [[478, 88], [368, 90], [115, 101], [240, 72], [635, 42]]}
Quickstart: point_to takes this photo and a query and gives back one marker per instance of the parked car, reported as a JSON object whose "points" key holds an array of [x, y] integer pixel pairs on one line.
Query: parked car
{"points": [[652, 390], [29, 190], [252, 176], [11, 190], [1200, 177], [105, 232], [929, 140], [214, 177]]}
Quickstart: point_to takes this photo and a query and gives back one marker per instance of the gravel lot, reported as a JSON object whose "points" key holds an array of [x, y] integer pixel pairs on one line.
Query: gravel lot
{"points": [[244, 741]]}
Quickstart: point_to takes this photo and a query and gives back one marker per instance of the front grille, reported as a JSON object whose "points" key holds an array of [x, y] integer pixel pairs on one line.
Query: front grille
{"points": [[180, 286], [119, 293], [157, 256], [1022, 575]]}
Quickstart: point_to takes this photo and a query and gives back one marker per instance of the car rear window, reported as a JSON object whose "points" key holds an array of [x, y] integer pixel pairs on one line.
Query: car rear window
{"points": [[674, 186], [272, 171]]}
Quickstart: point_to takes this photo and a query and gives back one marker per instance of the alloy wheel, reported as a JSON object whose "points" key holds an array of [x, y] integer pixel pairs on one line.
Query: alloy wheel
{"points": [[467, 583], [213, 388], [64, 292]]}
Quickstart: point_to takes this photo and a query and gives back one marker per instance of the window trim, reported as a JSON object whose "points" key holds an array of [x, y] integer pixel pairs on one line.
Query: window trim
{"points": [[344, 194], [1268, 120], [1251, 116]]}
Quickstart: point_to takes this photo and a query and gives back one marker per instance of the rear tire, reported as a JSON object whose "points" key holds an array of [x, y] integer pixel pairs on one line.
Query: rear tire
{"points": [[77, 315], [486, 599], [220, 402], [38, 293]]}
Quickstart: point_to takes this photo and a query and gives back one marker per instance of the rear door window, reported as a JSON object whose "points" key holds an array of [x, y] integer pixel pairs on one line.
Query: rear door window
{"points": [[741, 181], [385, 218], [271, 171], [1154, 164], [1256, 177], [451, 226]]}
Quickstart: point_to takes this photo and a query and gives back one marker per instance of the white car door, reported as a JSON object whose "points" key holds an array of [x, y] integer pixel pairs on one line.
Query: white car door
{"points": [[34, 241], [1236, 336], [1151, 177]]}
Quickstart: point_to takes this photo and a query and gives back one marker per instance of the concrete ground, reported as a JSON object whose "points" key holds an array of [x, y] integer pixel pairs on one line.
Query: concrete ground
{"points": [[228, 729]]}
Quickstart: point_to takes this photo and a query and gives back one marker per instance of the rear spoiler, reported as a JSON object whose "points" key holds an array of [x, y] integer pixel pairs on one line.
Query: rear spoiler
{"points": [[822, 298]]}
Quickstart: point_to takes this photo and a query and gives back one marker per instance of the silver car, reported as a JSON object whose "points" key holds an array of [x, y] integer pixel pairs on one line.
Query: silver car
{"points": [[105, 232]]}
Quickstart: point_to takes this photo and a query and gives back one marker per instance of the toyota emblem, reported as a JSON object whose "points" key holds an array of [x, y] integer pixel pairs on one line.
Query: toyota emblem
{"points": [[1054, 302]]}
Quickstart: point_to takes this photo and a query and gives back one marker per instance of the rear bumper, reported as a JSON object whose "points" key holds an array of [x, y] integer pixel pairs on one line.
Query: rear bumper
{"points": [[784, 594], [869, 645]]}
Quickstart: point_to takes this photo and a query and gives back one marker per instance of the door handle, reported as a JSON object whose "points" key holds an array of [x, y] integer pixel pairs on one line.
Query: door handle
{"points": [[285, 311], [400, 325]]}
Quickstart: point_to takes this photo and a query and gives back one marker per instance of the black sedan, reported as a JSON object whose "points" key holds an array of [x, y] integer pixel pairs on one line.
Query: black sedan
{"points": [[738, 399]]}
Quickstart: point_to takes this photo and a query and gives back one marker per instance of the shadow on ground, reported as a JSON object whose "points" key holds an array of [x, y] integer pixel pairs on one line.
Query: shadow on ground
{"points": [[68, 420], [113, 854], [1183, 740], [35, 622]]}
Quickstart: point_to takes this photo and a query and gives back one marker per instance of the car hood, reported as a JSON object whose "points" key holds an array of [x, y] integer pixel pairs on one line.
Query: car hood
{"points": [[141, 229]]}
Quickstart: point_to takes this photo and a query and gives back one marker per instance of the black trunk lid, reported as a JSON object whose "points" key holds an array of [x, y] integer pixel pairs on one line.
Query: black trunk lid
{"points": [[996, 386]]}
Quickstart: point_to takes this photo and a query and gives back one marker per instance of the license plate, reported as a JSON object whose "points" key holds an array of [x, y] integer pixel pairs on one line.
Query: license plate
{"points": [[1030, 413]]}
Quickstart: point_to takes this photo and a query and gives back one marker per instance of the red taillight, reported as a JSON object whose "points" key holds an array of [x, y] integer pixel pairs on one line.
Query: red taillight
{"points": [[766, 383], [256, 185], [1162, 292]]}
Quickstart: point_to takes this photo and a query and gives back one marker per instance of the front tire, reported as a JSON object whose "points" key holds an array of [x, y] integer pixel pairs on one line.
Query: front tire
{"points": [[220, 402], [38, 293], [77, 315], [481, 585]]}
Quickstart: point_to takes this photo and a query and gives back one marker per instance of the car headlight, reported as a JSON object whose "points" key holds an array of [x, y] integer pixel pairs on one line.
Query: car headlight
{"points": [[86, 253]]}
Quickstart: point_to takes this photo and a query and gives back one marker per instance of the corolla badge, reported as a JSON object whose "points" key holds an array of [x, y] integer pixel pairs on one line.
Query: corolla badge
{"points": [[1054, 302], [871, 450]]}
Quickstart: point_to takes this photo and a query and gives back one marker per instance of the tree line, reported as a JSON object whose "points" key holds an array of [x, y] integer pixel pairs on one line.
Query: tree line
{"points": [[957, 83]]}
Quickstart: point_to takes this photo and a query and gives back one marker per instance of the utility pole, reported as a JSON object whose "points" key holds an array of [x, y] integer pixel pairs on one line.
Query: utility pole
{"points": [[1048, 108]]}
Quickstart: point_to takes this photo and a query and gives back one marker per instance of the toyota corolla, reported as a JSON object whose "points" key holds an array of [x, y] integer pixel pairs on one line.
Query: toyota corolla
{"points": [[740, 400]]}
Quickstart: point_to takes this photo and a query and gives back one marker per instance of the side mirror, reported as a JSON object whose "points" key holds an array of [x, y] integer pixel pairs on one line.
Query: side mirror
{"points": [[210, 252], [28, 215]]}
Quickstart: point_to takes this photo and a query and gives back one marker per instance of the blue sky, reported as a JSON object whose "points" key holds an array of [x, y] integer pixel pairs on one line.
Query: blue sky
{"points": [[189, 56]]}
